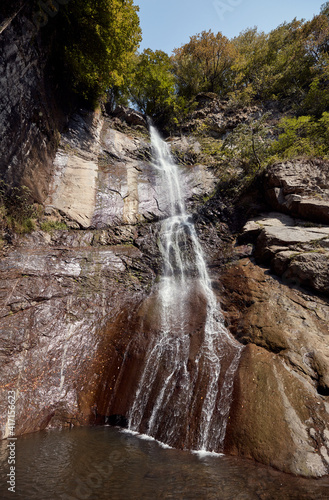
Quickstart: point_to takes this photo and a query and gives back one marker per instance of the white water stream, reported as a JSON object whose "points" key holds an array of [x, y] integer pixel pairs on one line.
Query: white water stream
{"points": [[183, 390]]}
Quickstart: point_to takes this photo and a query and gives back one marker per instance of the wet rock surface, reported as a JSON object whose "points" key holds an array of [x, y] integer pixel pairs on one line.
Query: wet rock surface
{"points": [[78, 304], [72, 300], [58, 295], [280, 413]]}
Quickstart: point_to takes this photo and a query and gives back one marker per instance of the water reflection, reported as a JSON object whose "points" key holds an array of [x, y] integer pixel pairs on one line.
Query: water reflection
{"points": [[107, 464]]}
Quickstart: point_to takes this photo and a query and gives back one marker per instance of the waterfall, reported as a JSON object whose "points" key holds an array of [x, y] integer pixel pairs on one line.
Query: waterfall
{"points": [[185, 388]]}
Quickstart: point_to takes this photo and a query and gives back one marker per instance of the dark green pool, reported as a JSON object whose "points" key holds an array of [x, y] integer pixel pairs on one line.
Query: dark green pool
{"points": [[105, 463]]}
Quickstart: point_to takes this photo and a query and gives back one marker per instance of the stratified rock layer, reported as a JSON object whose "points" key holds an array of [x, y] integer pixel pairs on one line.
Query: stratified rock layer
{"points": [[58, 296], [300, 188], [77, 305]]}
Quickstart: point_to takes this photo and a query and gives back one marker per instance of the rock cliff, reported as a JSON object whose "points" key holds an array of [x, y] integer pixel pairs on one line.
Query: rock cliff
{"points": [[74, 300], [70, 297], [277, 304], [30, 117]]}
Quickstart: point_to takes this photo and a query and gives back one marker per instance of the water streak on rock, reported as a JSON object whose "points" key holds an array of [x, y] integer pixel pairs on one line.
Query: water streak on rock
{"points": [[180, 392]]}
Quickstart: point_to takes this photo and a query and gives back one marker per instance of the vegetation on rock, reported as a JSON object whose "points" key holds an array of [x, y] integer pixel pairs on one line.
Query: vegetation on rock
{"points": [[287, 68], [93, 41], [16, 211]]}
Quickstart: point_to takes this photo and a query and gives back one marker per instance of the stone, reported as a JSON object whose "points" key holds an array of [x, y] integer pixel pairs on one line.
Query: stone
{"points": [[251, 229], [296, 251], [281, 384], [310, 269], [56, 301], [101, 178], [130, 116], [273, 406], [29, 113], [300, 188], [281, 261], [78, 307]]}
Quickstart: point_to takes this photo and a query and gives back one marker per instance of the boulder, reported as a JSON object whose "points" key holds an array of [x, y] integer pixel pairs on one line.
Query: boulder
{"points": [[310, 269], [297, 252], [299, 188], [280, 413], [276, 419], [129, 115]]}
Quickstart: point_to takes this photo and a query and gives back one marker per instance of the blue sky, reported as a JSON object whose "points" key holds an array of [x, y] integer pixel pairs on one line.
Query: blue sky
{"points": [[167, 24]]}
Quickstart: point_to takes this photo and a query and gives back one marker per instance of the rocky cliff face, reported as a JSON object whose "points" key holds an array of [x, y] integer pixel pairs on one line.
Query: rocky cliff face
{"points": [[71, 299], [277, 304], [74, 300], [29, 116]]}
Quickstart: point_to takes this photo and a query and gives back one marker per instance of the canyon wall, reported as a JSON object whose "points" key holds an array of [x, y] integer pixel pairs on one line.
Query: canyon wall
{"points": [[30, 117], [73, 300]]}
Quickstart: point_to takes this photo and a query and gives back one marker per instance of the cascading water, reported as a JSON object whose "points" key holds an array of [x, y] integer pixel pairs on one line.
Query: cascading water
{"points": [[186, 384]]}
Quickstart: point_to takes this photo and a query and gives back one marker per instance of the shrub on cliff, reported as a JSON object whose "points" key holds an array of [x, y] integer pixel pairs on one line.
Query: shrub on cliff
{"points": [[16, 210], [93, 42], [249, 145], [303, 136]]}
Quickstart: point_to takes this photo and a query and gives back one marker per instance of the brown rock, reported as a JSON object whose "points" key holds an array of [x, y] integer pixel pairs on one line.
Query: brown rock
{"points": [[280, 414], [310, 269], [296, 251], [300, 188], [57, 299], [272, 417], [130, 116]]}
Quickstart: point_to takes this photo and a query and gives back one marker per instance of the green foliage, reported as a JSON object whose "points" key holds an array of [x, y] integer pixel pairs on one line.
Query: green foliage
{"points": [[95, 40], [317, 98], [204, 64], [250, 58], [16, 210], [289, 63], [249, 145], [50, 225], [274, 65], [19, 214], [152, 83], [303, 136]]}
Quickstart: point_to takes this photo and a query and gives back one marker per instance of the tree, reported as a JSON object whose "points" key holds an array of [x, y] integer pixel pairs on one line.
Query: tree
{"points": [[274, 65], [95, 39], [204, 64], [249, 144], [249, 64], [316, 44], [302, 136], [325, 9], [151, 84]]}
